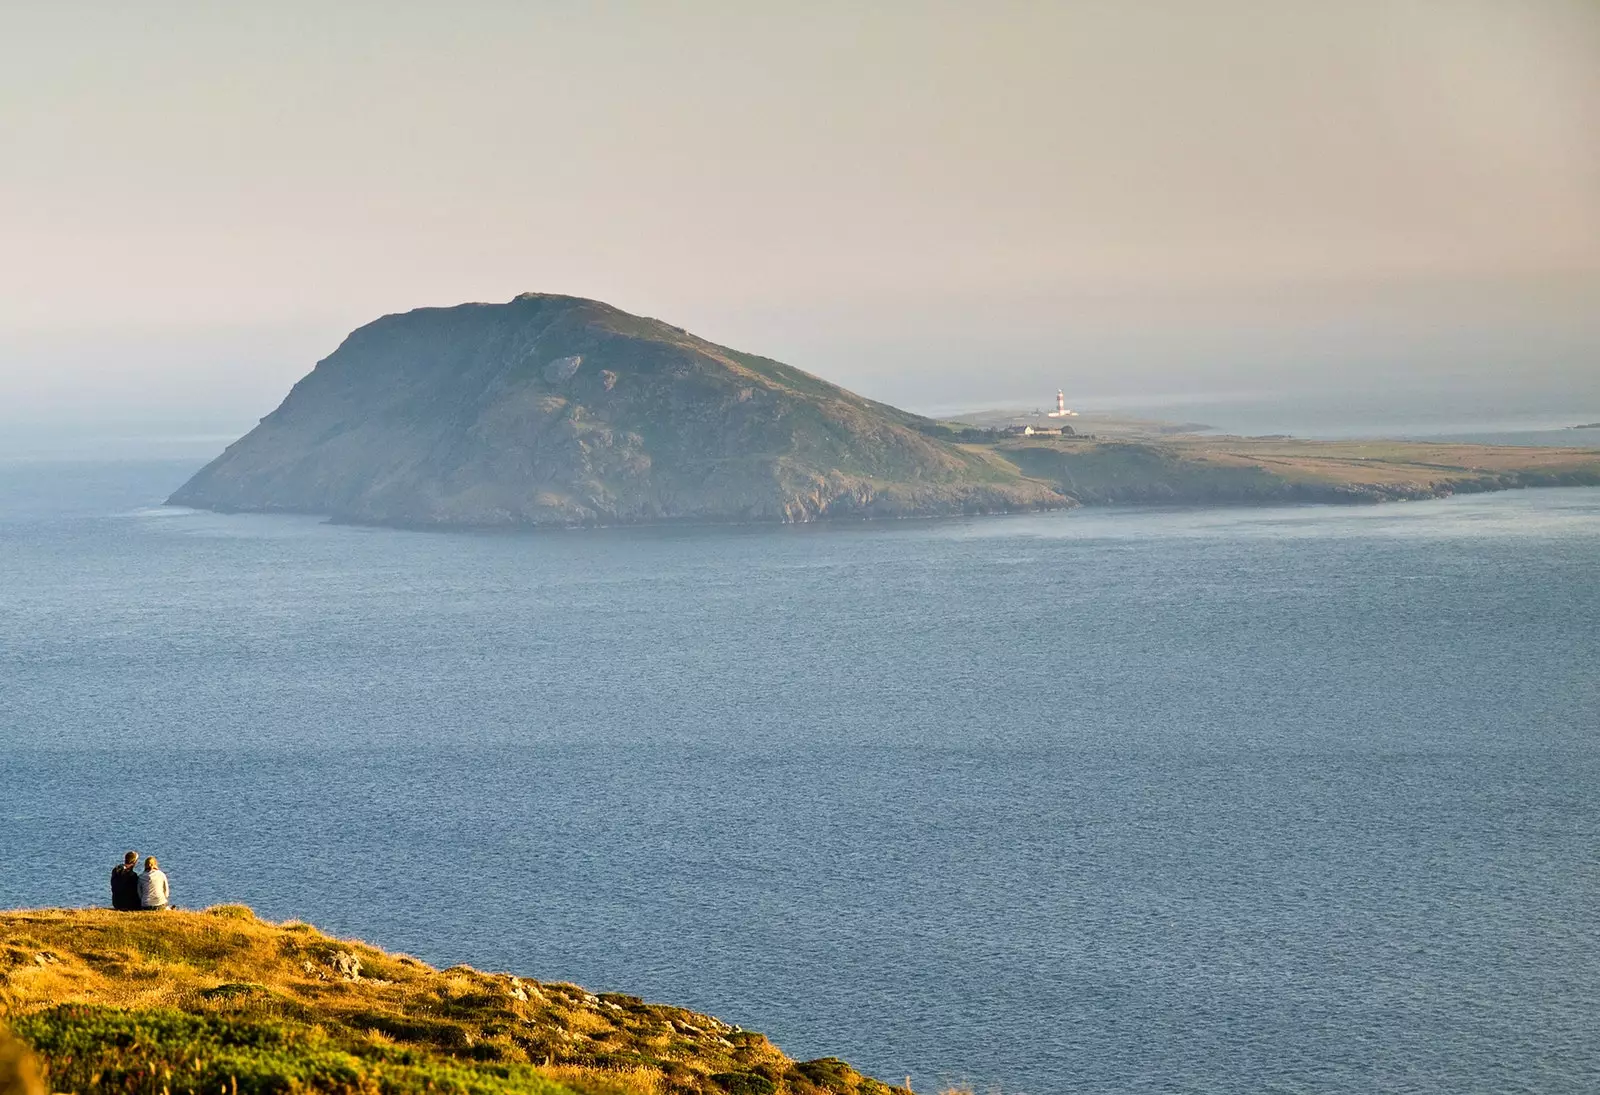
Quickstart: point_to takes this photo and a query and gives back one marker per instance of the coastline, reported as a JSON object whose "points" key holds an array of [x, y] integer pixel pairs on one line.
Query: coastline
{"points": [[1085, 471]]}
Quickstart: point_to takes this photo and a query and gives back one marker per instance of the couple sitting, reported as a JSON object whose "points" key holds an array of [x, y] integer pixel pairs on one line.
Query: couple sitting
{"points": [[132, 891]]}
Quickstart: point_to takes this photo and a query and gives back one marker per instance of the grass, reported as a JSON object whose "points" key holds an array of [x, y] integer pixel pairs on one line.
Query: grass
{"points": [[220, 1002]]}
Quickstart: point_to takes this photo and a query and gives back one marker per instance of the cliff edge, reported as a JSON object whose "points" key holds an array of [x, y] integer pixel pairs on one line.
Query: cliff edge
{"points": [[201, 1002]]}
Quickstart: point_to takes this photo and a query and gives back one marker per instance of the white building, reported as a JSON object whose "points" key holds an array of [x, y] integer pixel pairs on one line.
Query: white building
{"points": [[1061, 410]]}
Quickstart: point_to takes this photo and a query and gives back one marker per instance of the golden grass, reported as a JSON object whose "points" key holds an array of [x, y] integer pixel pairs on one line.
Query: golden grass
{"points": [[625, 1081], [19, 1072], [225, 961]]}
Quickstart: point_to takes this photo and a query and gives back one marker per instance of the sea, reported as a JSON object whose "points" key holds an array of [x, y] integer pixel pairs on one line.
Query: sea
{"points": [[1291, 799]]}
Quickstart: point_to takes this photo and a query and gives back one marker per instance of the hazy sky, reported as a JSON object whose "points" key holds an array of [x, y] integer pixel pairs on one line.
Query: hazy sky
{"points": [[934, 203]]}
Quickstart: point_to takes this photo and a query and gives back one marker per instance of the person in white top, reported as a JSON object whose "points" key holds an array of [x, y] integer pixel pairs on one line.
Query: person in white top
{"points": [[153, 890]]}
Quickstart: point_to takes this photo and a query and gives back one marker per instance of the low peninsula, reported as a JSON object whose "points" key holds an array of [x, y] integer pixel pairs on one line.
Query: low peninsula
{"points": [[192, 1003], [1203, 470], [553, 410]]}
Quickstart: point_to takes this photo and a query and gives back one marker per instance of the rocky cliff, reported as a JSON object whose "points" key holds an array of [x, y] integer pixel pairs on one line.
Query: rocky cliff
{"points": [[556, 410]]}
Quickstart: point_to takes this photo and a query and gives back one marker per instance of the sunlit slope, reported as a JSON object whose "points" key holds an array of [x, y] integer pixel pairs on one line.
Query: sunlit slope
{"points": [[554, 410], [202, 1002]]}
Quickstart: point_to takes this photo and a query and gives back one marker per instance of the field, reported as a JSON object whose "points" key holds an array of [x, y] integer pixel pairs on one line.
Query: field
{"points": [[1209, 470]]}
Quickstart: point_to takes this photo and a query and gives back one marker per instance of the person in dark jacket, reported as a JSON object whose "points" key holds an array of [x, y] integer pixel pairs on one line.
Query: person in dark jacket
{"points": [[125, 884]]}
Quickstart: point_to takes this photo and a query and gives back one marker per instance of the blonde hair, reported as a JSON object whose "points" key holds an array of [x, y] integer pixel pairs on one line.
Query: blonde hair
{"points": [[150, 863]]}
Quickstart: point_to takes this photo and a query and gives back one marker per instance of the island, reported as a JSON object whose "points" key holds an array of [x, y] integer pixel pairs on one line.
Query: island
{"points": [[556, 410], [552, 410], [222, 1001]]}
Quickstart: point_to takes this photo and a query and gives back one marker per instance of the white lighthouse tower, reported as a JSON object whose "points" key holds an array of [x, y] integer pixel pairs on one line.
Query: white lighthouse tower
{"points": [[1061, 410]]}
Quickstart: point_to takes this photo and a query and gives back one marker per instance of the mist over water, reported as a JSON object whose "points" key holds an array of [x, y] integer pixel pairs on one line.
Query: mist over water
{"points": [[1514, 419], [1510, 416], [1300, 798]]}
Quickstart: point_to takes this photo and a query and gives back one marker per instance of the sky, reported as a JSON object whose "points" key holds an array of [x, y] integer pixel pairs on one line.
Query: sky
{"points": [[937, 204]]}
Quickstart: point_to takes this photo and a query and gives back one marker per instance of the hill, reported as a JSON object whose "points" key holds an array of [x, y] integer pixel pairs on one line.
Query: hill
{"points": [[201, 1002], [556, 410]]}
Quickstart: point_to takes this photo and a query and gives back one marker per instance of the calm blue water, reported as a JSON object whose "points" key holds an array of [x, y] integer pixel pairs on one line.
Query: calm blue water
{"points": [[1299, 800]]}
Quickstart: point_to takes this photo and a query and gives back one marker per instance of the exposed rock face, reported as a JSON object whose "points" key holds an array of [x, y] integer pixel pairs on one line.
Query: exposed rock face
{"points": [[562, 368], [554, 410], [348, 965]]}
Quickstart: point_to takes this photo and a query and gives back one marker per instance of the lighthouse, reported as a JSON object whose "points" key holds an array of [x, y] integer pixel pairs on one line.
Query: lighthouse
{"points": [[1061, 407]]}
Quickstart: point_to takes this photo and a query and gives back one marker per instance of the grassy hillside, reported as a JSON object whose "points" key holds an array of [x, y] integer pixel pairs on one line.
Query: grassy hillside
{"points": [[220, 1001]]}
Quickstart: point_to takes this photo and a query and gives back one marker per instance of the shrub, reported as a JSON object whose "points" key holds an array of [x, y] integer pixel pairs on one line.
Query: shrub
{"points": [[744, 1083], [235, 990], [103, 1049]]}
